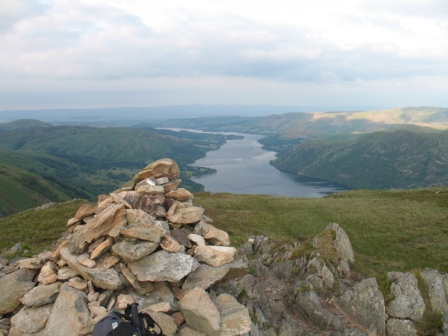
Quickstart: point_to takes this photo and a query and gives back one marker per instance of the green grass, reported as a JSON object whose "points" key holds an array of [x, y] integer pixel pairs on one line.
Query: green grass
{"points": [[37, 228], [389, 230]]}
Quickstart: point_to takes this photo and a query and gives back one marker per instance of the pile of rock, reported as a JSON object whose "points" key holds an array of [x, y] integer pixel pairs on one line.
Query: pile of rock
{"points": [[146, 243]]}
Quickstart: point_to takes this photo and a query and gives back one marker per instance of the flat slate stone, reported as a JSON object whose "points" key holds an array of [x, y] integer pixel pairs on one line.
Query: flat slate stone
{"points": [[163, 266]]}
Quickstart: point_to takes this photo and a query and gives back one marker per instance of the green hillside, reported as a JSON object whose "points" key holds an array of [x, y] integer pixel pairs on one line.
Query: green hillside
{"points": [[381, 160], [22, 190], [83, 162], [389, 230], [22, 124]]}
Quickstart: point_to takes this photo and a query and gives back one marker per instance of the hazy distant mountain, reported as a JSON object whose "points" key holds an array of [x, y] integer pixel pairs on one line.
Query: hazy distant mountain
{"points": [[138, 114]]}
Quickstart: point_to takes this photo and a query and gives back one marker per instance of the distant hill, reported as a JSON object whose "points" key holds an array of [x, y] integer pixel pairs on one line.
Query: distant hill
{"points": [[83, 162], [320, 124], [22, 124], [398, 159], [138, 114]]}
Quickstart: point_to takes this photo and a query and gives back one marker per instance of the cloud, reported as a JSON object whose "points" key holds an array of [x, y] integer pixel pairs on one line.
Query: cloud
{"points": [[321, 42]]}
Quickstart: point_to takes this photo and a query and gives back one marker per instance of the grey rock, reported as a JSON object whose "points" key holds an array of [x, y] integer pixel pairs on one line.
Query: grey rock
{"points": [[147, 232], [399, 327], [206, 276], [66, 273], [445, 323], [364, 303], [342, 242], [13, 287], [188, 215], [78, 243], [30, 320], [138, 216], [437, 295], [166, 323], [181, 235], [349, 332], [70, 314], [163, 266], [308, 303], [41, 295], [102, 278], [200, 312], [106, 222], [327, 277], [235, 319], [215, 255], [408, 302], [131, 249]]}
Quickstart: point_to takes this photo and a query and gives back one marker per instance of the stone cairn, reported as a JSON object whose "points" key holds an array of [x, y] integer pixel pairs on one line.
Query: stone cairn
{"points": [[146, 243]]}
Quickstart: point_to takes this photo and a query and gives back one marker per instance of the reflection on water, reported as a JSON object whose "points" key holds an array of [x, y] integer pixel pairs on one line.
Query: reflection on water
{"points": [[243, 168]]}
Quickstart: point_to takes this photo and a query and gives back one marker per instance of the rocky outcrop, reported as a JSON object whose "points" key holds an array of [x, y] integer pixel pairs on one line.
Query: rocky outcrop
{"points": [[147, 244], [295, 290]]}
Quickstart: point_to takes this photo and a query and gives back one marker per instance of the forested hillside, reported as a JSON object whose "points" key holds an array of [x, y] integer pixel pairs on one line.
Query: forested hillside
{"points": [[381, 160], [56, 163]]}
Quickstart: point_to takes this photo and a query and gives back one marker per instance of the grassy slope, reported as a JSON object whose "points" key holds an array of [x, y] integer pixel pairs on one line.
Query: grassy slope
{"points": [[22, 190], [389, 230]]}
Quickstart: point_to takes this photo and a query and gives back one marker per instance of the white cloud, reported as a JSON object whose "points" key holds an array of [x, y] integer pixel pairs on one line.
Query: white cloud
{"points": [[287, 43]]}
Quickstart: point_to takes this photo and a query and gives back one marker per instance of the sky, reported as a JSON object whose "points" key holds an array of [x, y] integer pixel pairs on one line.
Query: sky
{"points": [[111, 53]]}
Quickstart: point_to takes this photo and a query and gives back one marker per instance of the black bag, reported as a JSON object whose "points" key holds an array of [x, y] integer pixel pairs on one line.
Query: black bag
{"points": [[132, 323]]}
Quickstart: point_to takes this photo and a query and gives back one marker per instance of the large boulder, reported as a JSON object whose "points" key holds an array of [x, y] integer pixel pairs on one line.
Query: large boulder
{"points": [[206, 276], [215, 255], [235, 319], [13, 287], [437, 295], [131, 249], [364, 303], [70, 314], [160, 168], [200, 312], [30, 320], [408, 302], [188, 215], [163, 266], [41, 295]]}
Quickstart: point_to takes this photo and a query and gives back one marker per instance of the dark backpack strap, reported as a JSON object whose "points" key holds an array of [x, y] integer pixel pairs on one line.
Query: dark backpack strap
{"points": [[149, 325]]}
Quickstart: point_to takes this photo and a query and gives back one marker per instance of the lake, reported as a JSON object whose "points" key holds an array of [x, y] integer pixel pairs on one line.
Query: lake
{"points": [[243, 167]]}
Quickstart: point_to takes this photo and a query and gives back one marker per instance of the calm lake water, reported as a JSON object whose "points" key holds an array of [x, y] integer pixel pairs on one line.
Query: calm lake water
{"points": [[243, 168]]}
